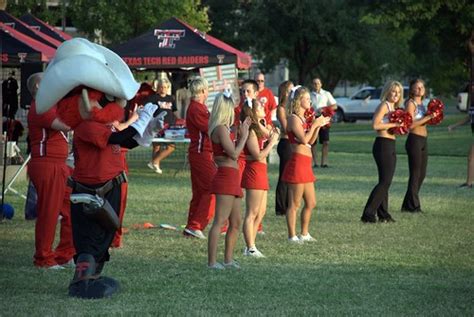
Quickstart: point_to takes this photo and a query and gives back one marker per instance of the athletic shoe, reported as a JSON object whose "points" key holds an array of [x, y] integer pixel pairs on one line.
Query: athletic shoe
{"points": [[195, 233], [216, 266], [69, 264], [465, 185], [253, 252], [158, 169], [306, 237], [295, 240], [155, 167], [232, 265], [55, 267]]}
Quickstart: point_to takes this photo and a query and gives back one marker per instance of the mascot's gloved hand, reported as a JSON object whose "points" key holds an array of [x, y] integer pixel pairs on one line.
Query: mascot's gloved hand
{"points": [[145, 114], [147, 137]]}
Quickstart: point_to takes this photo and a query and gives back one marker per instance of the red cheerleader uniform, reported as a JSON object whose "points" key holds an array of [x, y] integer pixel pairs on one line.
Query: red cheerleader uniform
{"points": [[227, 179], [298, 169], [255, 174]]}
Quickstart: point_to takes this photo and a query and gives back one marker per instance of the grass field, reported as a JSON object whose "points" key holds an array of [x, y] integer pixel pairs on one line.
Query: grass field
{"points": [[420, 265]]}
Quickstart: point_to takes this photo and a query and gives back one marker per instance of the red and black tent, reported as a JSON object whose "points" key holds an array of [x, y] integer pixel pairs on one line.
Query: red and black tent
{"points": [[17, 48], [24, 28], [177, 45], [45, 28]]}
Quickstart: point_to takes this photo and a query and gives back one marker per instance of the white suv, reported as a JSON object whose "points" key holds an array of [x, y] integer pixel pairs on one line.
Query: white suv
{"points": [[361, 105]]}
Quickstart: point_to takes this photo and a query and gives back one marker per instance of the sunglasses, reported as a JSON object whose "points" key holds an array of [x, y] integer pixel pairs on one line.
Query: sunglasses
{"points": [[260, 81]]}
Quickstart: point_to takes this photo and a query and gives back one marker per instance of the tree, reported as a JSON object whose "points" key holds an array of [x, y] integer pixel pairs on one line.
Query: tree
{"points": [[38, 8], [439, 28], [120, 20], [323, 38]]}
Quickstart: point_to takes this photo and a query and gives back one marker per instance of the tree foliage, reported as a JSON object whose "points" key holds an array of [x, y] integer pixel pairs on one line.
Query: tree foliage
{"points": [[121, 20], [323, 38], [36, 7], [440, 30]]}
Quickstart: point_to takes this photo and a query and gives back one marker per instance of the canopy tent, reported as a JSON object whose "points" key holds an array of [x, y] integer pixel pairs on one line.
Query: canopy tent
{"points": [[45, 28], [177, 45], [24, 28], [17, 48]]}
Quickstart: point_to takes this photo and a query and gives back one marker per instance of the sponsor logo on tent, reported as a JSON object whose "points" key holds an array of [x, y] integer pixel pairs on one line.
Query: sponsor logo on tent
{"points": [[22, 57], [220, 58], [167, 37]]}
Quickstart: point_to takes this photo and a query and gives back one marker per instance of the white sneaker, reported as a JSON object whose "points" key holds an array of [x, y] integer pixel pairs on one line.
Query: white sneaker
{"points": [[195, 233], [216, 266], [69, 264], [253, 252], [158, 169], [232, 265], [55, 267], [155, 167], [295, 240], [306, 238]]}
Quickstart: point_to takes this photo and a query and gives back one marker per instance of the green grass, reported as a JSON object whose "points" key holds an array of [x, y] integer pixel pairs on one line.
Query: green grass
{"points": [[420, 265]]}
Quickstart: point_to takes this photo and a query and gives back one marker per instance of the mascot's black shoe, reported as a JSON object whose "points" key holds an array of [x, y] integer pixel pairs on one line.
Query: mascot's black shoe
{"points": [[86, 284]]}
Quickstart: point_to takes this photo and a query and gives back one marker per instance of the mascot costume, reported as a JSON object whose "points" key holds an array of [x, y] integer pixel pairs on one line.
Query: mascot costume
{"points": [[90, 86]]}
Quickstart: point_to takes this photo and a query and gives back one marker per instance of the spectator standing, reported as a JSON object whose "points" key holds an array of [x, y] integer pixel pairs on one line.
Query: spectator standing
{"points": [[48, 172], [203, 169], [167, 105], [266, 98], [283, 148], [321, 98], [10, 96]]}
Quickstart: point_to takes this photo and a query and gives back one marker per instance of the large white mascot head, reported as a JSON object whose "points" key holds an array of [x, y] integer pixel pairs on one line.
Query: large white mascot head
{"points": [[79, 62]]}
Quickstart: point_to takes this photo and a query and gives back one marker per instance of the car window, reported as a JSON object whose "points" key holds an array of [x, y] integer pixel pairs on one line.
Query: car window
{"points": [[362, 94], [375, 94]]}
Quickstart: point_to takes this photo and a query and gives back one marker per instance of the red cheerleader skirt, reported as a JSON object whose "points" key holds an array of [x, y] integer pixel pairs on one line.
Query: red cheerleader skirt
{"points": [[298, 170], [227, 182], [255, 176]]}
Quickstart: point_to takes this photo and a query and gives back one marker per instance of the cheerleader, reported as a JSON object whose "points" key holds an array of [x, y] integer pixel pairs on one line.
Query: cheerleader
{"points": [[283, 148], [255, 178], [416, 145], [298, 172], [226, 183], [384, 153]]}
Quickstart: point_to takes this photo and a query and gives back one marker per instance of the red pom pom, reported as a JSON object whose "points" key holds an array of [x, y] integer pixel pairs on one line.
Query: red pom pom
{"points": [[327, 112], [435, 106], [402, 117]]}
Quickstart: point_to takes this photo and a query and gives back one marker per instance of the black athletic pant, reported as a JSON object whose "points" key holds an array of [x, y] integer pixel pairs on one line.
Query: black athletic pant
{"points": [[386, 160], [417, 150], [88, 235], [281, 195]]}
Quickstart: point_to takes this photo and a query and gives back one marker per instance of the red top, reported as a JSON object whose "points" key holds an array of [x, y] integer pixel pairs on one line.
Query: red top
{"points": [[217, 148], [197, 122], [45, 141], [261, 145], [291, 136], [96, 161], [267, 100]]}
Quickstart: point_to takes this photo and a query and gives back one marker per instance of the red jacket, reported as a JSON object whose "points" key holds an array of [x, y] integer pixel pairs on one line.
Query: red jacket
{"points": [[45, 141], [197, 123]]}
